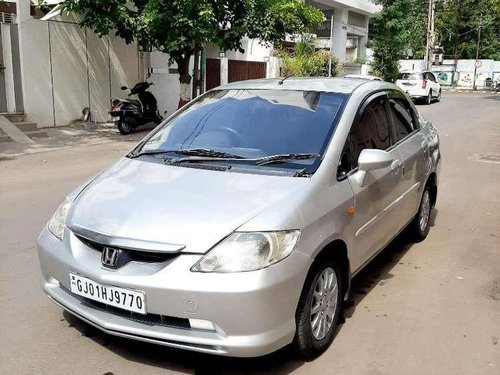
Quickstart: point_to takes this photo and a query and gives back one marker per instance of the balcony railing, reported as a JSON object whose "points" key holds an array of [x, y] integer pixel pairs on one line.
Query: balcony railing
{"points": [[7, 17]]}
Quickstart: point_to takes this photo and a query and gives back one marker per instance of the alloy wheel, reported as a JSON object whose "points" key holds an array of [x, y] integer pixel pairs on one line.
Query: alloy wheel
{"points": [[425, 211], [324, 303], [126, 126]]}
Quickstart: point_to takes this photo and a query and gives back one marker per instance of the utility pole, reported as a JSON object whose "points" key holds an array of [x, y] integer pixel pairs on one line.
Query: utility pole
{"points": [[430, 35], [474, 87], [457, 36]]}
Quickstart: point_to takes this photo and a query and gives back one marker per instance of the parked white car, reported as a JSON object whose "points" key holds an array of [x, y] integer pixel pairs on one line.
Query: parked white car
{"points": [[420, 86]]}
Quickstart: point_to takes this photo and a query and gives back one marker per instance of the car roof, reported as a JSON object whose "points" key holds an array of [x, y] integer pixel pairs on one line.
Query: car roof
{"points": [[337, 85], [361, 76]]}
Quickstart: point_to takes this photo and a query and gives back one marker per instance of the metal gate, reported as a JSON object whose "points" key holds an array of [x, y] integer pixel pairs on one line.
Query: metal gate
{"points": [[3, 91], [213, 73], [11, 96], [243, 70]]}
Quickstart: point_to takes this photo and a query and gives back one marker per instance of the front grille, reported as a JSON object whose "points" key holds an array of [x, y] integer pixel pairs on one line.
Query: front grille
{"points": [[133, 255], [149, 319]]}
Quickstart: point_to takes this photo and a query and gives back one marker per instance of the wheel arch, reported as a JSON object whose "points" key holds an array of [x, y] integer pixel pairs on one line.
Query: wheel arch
{"points": [[432, 184], [337, 250]]}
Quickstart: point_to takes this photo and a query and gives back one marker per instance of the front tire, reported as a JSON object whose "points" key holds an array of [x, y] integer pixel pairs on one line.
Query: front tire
{"points": [[124, 127], [319, 309], [419, 227], [158, 119], [438, 99]]}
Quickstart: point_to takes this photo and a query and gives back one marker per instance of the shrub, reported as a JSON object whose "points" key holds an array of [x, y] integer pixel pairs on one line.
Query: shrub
{"points": [[307, 61]]}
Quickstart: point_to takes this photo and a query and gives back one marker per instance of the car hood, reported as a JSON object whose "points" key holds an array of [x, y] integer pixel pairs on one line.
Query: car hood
{"points": [[187, 208]]}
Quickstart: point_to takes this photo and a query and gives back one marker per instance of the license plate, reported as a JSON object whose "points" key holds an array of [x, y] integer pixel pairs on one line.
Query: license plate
{"points": [[122, 298], [114, 119]]}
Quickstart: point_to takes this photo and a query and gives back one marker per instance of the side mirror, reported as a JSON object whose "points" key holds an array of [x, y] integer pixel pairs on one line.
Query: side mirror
{"points": [[371, 160], [124, 88]]}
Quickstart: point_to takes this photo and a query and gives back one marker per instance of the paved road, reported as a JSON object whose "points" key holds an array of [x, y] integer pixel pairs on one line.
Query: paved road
{"points": [[430, 308]]}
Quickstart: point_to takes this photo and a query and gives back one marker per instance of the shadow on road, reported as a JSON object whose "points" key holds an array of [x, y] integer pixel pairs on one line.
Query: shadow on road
{"points": [[284, 361], [377, 272], [492, 97]]}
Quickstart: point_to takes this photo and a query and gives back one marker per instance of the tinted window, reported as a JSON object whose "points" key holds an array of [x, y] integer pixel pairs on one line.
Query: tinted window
{"points": [[371, 130], [402, 117], [254, 123]]}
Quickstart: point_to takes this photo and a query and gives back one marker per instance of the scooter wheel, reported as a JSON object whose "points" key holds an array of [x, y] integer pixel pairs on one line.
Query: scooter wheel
{"points": [[124, 127]]}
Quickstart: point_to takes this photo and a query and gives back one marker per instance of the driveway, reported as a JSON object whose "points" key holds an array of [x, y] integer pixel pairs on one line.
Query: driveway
{"points": [[428, 308]]}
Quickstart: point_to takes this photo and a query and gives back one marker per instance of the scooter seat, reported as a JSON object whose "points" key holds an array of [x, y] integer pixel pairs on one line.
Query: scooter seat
{"points": [[131, 101]]}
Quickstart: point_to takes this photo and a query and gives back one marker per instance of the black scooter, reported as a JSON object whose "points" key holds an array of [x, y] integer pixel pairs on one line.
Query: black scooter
{"points": [[128, 114]]}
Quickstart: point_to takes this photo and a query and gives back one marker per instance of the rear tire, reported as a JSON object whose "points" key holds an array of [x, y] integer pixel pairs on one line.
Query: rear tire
{"points": [[428, 100], [319, 309], [419, 227], [124, 127]]}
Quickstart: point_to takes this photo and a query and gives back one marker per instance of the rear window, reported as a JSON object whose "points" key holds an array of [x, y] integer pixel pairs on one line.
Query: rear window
{"points": [[410, 76]]}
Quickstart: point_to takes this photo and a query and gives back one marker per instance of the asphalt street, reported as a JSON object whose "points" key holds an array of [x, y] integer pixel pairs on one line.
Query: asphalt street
{"points": [[427, 308]]}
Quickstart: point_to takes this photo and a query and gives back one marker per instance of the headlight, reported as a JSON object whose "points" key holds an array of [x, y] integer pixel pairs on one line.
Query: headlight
{"points": [[56, 223], [242, 252]]}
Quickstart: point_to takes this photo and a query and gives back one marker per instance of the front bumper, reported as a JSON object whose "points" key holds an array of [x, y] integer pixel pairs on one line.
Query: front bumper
{"points": [[253, 313]]}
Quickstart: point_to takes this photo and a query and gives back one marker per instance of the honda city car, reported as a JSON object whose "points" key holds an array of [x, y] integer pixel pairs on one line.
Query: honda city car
{"points": [[236, 226]]}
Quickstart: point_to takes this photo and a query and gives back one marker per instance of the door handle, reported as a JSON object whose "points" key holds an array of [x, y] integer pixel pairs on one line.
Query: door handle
{"points": [[396, 166]]}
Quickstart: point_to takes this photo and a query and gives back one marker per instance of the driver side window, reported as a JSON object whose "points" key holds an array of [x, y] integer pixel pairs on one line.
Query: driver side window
{"points": [[370, 130]]}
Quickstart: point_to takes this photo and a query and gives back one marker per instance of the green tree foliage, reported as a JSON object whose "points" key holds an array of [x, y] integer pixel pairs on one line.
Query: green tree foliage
{"points": [[400, 31], [307, 61], [457, 26], [181, 27]]}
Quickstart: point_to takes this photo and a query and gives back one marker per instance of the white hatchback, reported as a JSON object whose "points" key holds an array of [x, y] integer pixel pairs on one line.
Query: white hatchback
{"points": [[420, 86]]}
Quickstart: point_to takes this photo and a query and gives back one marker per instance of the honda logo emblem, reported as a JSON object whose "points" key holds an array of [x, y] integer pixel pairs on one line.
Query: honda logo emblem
{"points": [[109, 257]]}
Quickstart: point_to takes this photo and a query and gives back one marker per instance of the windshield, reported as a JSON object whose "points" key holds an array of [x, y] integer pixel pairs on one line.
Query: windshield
{"points": [[254, 124], [410, 76]]}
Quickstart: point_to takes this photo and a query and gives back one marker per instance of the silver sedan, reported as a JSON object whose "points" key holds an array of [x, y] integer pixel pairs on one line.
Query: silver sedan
{"points": [[235, 227]]}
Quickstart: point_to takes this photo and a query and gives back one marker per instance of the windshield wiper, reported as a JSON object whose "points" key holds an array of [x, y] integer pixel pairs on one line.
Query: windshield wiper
{"points": [[133, 155], [280, 158], [203, 152]]}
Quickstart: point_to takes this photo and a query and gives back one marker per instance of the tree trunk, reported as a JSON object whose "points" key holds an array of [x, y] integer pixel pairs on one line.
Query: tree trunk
{"points": [[184, 78]]}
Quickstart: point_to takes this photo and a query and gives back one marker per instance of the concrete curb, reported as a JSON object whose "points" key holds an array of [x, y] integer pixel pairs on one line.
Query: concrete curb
{"points": [[469, 91]]}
